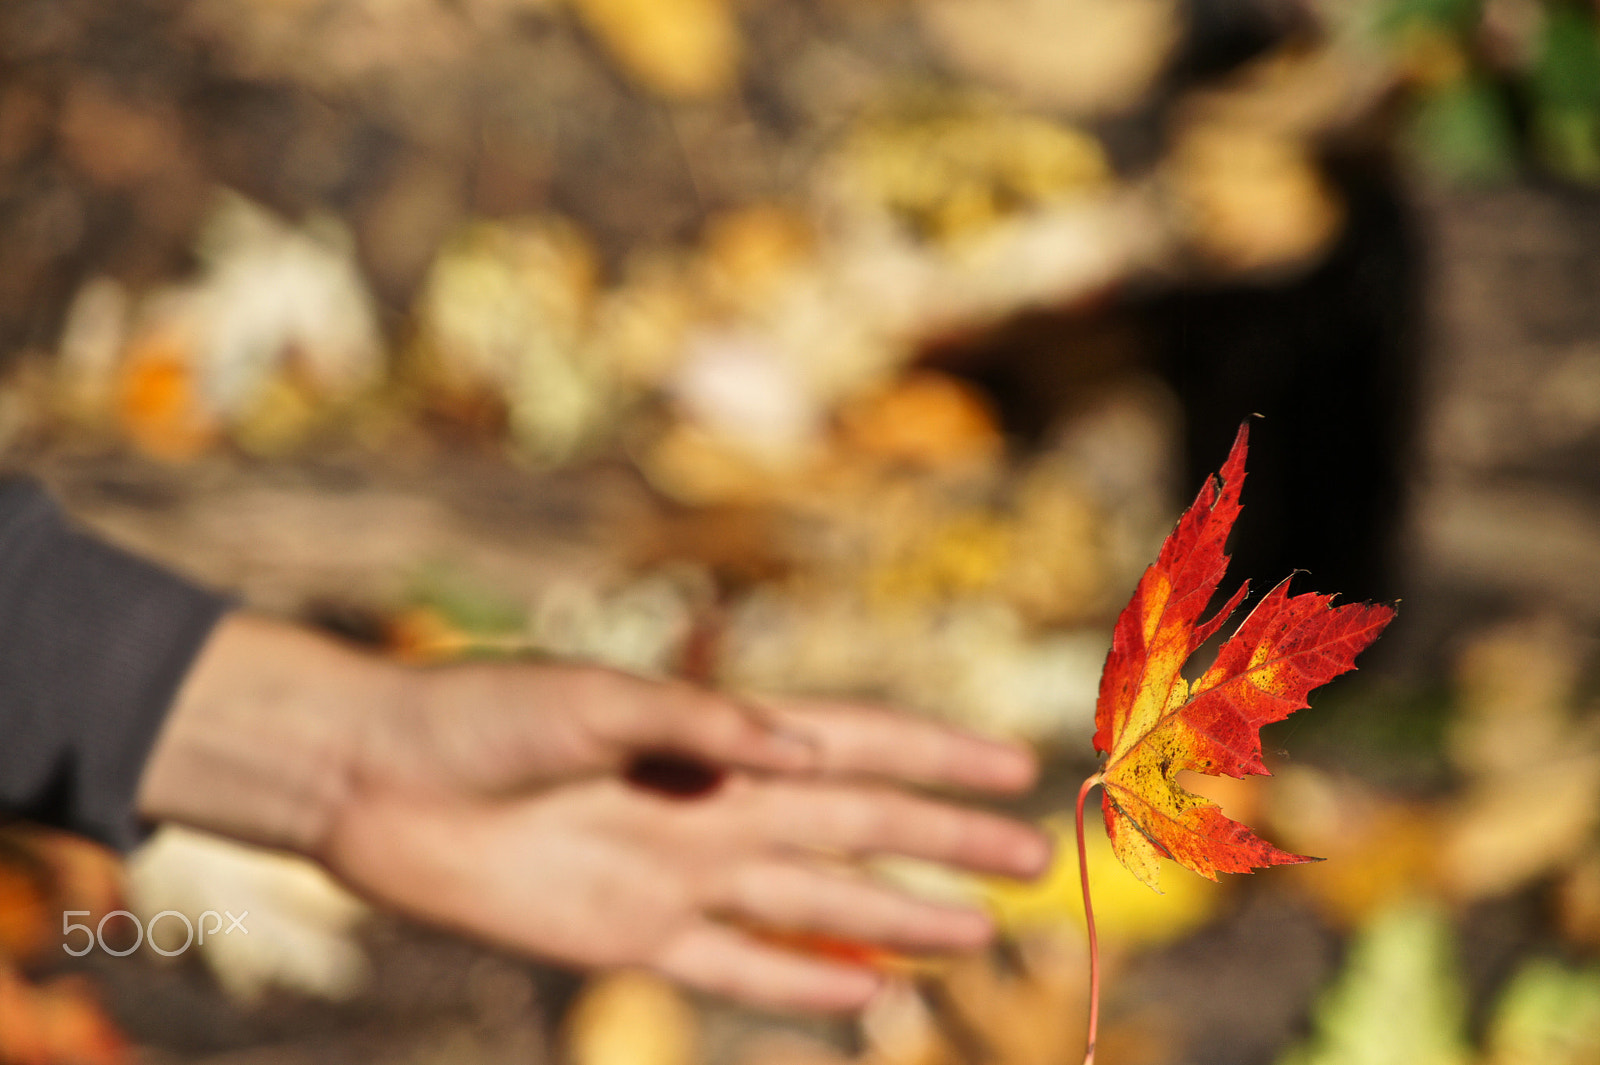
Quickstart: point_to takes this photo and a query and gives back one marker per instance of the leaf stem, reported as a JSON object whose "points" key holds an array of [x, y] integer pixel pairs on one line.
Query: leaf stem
{"points": [[1088, 919]]}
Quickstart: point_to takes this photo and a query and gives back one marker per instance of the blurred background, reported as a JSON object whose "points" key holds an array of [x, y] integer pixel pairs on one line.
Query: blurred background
{"points": [[860, 347]]}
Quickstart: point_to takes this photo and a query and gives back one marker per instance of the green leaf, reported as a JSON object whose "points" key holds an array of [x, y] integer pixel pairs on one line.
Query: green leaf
{"points": [[1548, 1015], [1567, 72], [1565, 87], [1398, 1000], [466, 601], [1399, 16], [1463, 132], [1569, 142]]}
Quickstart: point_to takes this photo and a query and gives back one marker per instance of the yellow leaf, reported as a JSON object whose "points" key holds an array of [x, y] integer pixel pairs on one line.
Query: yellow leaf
{"points": [[681, 49], [1125, 911], [632, 1018]]}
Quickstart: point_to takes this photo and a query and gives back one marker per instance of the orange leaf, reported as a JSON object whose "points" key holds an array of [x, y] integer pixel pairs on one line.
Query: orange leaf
{"points": [[57, 1024], [848, 951], [1151, 723], [833, 948], [160, 403]]}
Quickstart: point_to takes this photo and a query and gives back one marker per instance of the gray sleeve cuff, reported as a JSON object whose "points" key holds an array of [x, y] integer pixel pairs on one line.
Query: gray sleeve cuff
{"points": [[94, 644]]}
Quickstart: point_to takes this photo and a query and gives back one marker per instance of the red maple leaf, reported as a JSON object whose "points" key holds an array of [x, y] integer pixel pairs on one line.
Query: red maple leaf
{"points": [[1151, 723]]}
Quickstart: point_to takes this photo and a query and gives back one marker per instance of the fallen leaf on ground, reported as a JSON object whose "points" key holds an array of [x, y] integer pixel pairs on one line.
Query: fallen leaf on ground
{"points": [[631, 1018], [1398, 1001], [55, 1024], [1126, 915], [1549, 1014], [680, 49], [1516, 685], [1379, 849]]}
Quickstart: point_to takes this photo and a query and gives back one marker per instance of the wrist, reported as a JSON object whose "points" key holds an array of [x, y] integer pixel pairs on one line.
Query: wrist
{"points": [[264, 738]]}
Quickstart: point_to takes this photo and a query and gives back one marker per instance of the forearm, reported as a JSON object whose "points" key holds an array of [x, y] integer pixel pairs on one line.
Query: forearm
{"points": [[262, 739]]}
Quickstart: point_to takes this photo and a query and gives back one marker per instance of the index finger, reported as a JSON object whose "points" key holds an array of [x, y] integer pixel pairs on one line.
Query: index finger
{"points": [[863, 738]]}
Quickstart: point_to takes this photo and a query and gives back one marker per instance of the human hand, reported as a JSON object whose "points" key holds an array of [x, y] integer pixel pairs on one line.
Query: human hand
{"points": [[487, 798], [599, 873], [453, 821]]}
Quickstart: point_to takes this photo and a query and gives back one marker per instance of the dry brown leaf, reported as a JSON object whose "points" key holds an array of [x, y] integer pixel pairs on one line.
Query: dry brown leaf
{"points": [[1577, 902], [748, 252], [1516, 685], [1251, 200], [1029, 1010], [1515, 829], [117, 142], [925, 419], [1085, 56]]}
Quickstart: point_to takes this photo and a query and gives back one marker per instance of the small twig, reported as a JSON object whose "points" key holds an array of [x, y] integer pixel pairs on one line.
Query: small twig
{"points": [[1088, 919]]}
